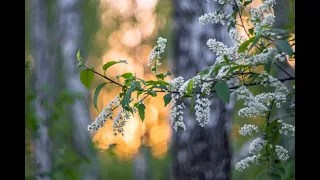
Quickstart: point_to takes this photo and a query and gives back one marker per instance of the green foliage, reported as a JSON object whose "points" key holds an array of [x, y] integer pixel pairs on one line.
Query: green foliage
{"points": [[245, 44], [284, 46], [141, 109], [86, 77], [96, 94], [111, 63], [167, 98], [223, 91]]}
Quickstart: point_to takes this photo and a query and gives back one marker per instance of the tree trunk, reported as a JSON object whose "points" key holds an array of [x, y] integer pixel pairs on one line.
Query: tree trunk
{"points": [[199, 153], [70, 31], [140, 165], [42, 76]]}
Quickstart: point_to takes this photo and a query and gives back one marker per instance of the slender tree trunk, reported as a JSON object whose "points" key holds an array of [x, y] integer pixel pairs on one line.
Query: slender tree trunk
{"points": [[199, 153], [42, 75], [140, 165], [70, 30]]}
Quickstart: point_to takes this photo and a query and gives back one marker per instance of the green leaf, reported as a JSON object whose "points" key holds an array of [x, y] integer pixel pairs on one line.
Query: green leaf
{"points": [[259, 173], [267, 66], [278, 31], [141, 108], [190, 86], [236, 67], [96, 94], [247, 2], [167, 99], [79, 56], [153, 93], [223, 91], [274, 176], [284, 46], [127, 75], [111, 63], [126, 99], [193, 100], [86, 77], [204, 71], [251, 31], [244, 45], [160, 76], [255, 41]]}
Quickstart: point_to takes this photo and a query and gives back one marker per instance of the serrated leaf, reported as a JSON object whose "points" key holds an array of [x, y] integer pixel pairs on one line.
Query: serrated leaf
{"points": [[127, 75], [244, 45], [223, 91], [141, 108], [283, 46], [86, 77], [167, 99], [79, 56], [96, 94], [111, 63], [190, 86]]}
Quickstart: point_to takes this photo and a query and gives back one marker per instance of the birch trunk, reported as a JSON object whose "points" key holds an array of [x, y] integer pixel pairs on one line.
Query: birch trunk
{"points": [[199, 153]]}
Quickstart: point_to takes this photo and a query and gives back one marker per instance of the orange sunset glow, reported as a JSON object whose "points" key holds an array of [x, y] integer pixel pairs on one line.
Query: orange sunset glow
{"points": [[130, 41]]}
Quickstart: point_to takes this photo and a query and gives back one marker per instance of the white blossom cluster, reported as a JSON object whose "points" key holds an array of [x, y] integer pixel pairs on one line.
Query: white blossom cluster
{"points": [[254, 108], [154, 57], [261, 19], [244, 163], [175, 84], [120, 121], [104, 114], [202, 110], [257, 145], [282, 153], [216, 17], [184, 88], [286, 129], [206, 87], [235, 36], [176, 113], [248, 129], [269, 54]]}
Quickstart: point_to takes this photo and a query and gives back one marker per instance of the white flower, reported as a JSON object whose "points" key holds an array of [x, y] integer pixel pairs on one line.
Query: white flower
{"points": [[175, 84], [282, 153], [216, 17], [286, 129], [104, 114], [235, 36], [206, 87], [154, 57], [243, 164], [202, 110], [248, 129], [120, 121], [257, 145], [184, 88], [176, 113]]}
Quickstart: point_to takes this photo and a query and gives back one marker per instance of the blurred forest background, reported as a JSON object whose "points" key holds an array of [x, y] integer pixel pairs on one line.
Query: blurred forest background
{"points": [[58, 108]]}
